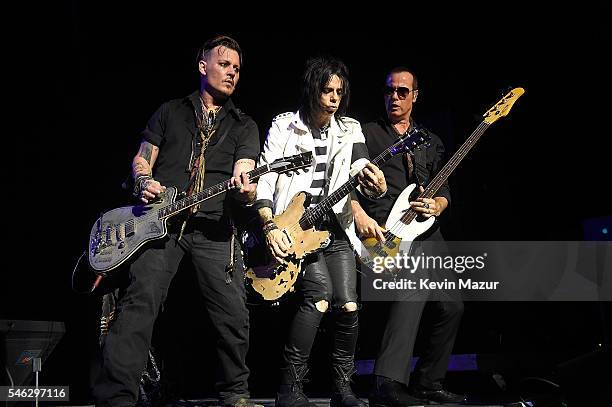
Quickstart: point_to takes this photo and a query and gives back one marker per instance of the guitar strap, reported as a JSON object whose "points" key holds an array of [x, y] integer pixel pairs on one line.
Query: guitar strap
{"points": [[409, 165], [409, 158]]}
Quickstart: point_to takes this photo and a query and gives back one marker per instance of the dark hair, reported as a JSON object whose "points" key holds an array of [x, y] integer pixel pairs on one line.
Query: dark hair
{"points": [[317, 75], [222, 40], [398, 69]]}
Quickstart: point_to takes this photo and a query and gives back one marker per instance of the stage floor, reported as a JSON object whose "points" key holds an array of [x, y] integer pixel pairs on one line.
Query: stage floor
{"points": [[321, 402]]}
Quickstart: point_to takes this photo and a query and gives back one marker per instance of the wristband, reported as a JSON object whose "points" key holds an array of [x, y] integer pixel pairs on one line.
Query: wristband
{"points": [[269, 226], [140, 184], [376, 196]]}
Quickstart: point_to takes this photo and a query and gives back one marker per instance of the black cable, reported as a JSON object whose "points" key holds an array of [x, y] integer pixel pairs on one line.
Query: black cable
{"points": [[74, 271], [541, 379], [552, 403]]}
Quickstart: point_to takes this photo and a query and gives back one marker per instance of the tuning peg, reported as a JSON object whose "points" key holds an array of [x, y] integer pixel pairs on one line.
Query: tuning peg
{"points": [[506, 90]]}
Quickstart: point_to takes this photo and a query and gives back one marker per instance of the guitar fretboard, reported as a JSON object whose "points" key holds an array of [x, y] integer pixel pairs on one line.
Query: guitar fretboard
{"points": [[312, 215], [182, 204], [446, 171]]}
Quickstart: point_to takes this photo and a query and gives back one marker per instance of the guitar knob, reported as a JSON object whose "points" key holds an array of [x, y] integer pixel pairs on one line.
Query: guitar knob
{"points": [[98, 248]]}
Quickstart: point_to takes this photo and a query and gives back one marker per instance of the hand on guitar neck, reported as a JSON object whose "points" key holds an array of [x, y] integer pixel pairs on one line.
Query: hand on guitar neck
{"points": [[244, 190], [372, 179], [428, 207], [368, 228]]}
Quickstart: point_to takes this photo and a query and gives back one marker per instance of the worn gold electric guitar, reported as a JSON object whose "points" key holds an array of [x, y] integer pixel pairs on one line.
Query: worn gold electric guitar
{"points": [[269, 279]]}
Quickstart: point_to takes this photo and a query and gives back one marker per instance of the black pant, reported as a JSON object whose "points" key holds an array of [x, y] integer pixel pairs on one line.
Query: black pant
{"points": [[330, 276], [125, 349], [395, 355], [394, 358]]}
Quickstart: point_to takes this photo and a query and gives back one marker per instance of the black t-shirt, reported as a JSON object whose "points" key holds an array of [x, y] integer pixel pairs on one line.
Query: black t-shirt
{"points": [[427, 163], [173, 129]]}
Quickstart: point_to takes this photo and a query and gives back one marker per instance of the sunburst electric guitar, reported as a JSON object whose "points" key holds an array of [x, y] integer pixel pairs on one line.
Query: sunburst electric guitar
{"points": [[269, 279], [119, 233], [402, 225]]}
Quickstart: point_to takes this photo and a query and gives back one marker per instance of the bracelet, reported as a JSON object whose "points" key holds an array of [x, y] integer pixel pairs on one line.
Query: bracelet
{"points": [[377, 196], [244, 161], [140, 184], [269, 226]]}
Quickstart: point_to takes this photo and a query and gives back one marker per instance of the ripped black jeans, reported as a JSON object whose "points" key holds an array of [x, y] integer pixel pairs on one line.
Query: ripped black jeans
{"points": [[330, 277]]}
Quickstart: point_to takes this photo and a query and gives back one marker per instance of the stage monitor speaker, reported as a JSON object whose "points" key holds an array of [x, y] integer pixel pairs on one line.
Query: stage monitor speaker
{"points": [[21, 342]]}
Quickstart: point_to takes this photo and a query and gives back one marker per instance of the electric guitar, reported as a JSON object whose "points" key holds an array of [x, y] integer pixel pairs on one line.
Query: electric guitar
{"points": [[119, 233], [401, 223], [269, 279]]}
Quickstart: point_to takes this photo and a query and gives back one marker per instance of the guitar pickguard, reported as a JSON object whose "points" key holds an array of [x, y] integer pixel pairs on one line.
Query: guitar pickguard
{"points": [[402, 234]]}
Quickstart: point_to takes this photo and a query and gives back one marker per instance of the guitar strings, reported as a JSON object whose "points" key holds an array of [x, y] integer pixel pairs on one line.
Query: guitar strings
{"points": [[207, 193], [433, 187], [311, 215]]}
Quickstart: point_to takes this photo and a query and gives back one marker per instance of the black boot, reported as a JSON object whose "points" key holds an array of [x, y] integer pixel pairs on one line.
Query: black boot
{"points": [[343, 395], [291, 393], [389, 393]]}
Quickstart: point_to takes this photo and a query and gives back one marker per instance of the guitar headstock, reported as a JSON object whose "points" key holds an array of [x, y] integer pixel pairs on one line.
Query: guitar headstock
{"points": [[417, 137], [292, 163], [502, 108]]}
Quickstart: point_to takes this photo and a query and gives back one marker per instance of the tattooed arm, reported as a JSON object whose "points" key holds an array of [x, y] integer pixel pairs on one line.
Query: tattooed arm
{"points": [[145, 187], [144, 160]]}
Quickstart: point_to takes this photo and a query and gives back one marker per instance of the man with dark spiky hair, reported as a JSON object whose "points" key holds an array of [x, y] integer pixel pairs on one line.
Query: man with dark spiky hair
{"points": [[329, 278], [190, 143]]}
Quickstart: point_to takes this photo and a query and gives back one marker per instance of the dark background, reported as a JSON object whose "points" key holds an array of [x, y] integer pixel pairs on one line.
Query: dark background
{"points": [[89, 77]]}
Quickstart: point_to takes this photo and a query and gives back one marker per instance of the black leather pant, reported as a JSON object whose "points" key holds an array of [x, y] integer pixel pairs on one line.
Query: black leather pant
{"points": [[329, 276]]}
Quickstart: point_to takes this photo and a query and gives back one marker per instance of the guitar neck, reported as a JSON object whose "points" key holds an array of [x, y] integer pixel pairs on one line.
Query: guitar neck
{"points": [[447, 170], [187, 202], [499, 110], [311, 216]]}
